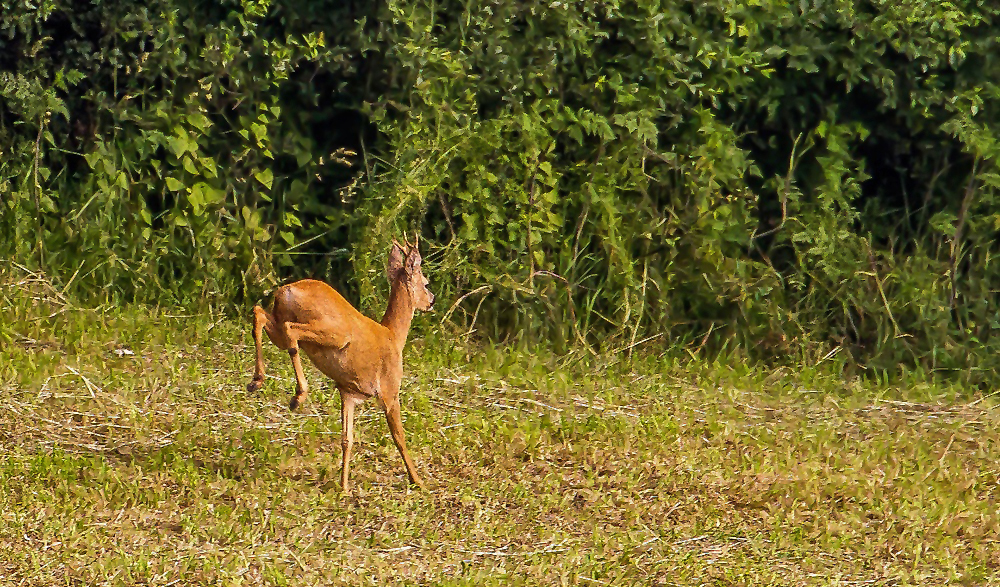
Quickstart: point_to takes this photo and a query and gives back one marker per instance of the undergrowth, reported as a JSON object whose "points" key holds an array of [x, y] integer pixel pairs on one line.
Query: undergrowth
{"points": [[131, 453]]}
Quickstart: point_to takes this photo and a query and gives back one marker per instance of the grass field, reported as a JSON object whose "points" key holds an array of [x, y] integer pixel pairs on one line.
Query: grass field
{"points": [[131, 454]]}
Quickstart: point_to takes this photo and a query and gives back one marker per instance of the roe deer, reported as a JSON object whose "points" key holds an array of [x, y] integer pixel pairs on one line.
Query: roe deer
{"points": [[363, 357]]}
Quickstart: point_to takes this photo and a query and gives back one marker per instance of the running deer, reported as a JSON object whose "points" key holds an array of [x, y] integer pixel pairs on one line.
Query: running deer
{"points": [[363, 357]]}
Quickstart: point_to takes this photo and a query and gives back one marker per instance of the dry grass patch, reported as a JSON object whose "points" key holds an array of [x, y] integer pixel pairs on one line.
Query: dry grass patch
{"points": [[132, 454]]}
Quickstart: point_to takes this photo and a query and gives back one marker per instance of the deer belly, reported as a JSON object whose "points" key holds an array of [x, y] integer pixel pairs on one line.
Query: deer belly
{"points": [[341, 366]]}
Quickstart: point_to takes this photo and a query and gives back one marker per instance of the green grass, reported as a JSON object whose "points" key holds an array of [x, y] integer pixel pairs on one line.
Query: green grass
{"points": [[158, 468]]}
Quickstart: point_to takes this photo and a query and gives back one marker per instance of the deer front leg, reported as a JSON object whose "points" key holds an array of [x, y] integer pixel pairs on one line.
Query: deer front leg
{"points": [[261, 320], [393, 417], [347, 405]]}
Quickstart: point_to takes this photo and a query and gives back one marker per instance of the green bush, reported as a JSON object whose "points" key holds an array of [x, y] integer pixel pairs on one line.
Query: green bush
{"points": [[811, 179], [175, 150]]}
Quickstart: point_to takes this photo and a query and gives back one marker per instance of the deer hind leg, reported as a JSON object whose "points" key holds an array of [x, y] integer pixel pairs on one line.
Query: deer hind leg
{"points": [[393, 417], [347, 404], [261, 321]]}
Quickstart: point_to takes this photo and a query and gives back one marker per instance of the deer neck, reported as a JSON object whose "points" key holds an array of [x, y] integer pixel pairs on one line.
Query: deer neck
{"points": [[399, 313]]}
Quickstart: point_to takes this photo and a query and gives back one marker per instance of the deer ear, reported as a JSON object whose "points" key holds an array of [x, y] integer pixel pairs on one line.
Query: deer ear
{"points": [[413, 261], [395, 261]]}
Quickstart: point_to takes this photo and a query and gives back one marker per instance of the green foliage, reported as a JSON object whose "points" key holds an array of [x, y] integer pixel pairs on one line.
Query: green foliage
{"points": [[789, 179], [805, 178], [194, 163]]}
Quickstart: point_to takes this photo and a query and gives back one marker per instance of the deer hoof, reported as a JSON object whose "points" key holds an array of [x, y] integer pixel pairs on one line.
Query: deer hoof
{"points": [[255, 385], [294, 403]]}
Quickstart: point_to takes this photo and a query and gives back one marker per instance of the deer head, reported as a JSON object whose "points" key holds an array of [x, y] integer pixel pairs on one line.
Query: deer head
{"points": [[404, 265]]}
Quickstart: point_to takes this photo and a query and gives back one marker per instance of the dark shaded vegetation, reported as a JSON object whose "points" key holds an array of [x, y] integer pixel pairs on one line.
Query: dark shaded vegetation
{"points": [[813, 180]]}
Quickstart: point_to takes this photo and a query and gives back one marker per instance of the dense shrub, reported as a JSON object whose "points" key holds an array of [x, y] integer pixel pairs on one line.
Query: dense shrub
{"points": [[814, 179], [165, 150]]}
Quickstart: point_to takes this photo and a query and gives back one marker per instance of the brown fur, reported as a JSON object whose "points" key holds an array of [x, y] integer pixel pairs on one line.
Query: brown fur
{"points": [[364, 358]]}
